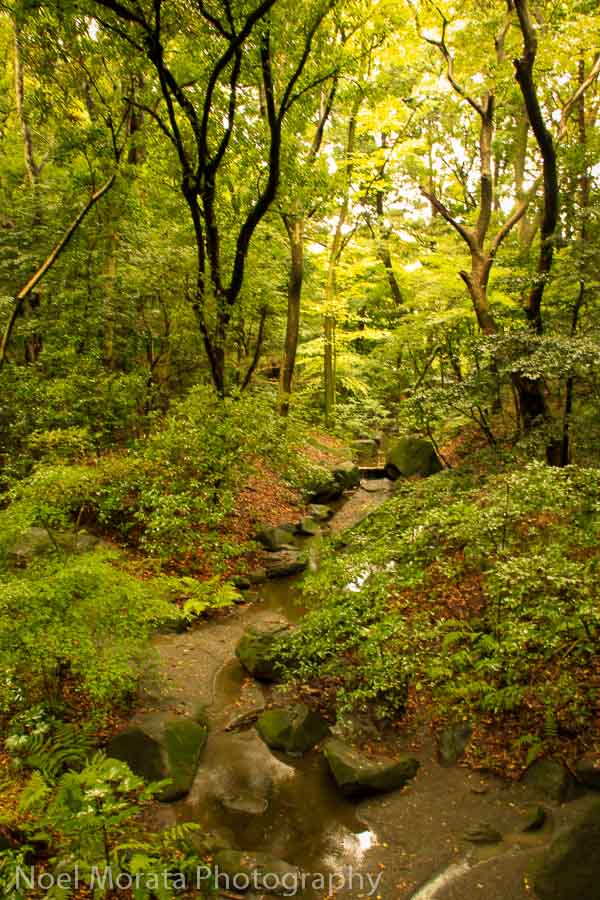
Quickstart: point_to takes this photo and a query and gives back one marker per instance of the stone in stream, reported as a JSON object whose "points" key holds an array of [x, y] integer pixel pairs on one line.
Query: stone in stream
{"points": [[535, 817], [331, 484], [245, 870], [256, 650], [320, 512], [587, 772], [285, 562], [358, 775], [570, 867], [308, 526], [453, 742], [411, 456], [171, 752], [275, 537], [295, 730], [550, 780], [482, 834]]}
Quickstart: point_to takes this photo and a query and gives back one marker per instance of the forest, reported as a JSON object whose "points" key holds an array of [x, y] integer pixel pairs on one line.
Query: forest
{"points": [[299, 449]]}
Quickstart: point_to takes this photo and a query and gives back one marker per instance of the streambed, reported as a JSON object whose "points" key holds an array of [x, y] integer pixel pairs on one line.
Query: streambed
{"points": [[411, 842]]}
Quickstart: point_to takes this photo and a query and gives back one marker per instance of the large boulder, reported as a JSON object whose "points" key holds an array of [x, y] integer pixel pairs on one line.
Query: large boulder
{"points": [[331, 484], [320, 512], [172, 751], [357, 775], [411, 456], [284, 563], [308, 526], [275, 537], [257, 648], [347, 474], [570, 867], [295, 730], [35, 542], [587, 772], [183, 741], [140, 751], [550, 780], [237, 871]]}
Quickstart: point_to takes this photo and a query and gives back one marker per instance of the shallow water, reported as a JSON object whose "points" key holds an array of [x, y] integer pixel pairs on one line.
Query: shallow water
{"points": [[250, 798]]}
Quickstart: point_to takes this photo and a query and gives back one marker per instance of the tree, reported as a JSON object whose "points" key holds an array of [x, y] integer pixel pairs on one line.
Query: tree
{"points": [[203, 122]]}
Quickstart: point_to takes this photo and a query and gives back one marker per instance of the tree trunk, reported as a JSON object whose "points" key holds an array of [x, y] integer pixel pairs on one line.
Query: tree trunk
{"points": [[295, 230]]}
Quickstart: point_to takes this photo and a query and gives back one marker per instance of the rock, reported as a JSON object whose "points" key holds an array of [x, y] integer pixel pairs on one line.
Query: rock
{"points": [[534, 819], [325, 488], [453, 742], [570, 867], [411, 456], [357, 775], [320, 512], [285, 562], [37, 541], [183, 741], [245, 870], [276, 537], [482, 834], [308, 526], [239, 775], [256, 650], [142, 753], [242, 721], [587, 772], [347, 474], [331, 485], [241, 582], [550, 780], [295, 730], [173, 753], [363, 444], [257, 576]]}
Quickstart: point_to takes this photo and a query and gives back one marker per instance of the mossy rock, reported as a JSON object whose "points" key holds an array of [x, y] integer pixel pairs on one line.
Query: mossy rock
{"points": [[275, 537], [171, 752], [570, 867], [587, 772], [411, 456], [550, 780], [256, 651], [294, 731], [347, 474], [308, 526], [183, 742], [140, 751], [284, 563], [357, 775], [320, 512], [325, 488]]}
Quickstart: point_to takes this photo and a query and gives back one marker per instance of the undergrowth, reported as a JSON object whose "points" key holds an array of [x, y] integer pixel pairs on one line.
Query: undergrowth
{"points": [[478, 591]]}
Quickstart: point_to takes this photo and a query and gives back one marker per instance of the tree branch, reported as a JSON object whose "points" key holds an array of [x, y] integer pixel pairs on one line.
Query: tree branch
{"points": [[45, 267]]}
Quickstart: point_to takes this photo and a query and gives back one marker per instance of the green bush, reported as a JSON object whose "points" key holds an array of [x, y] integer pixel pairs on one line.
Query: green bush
{"points": [[77, 622], [529, 536]]}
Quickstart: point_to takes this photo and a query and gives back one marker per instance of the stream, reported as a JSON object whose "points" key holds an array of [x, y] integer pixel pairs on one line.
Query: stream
{"points": [[249, 798]]}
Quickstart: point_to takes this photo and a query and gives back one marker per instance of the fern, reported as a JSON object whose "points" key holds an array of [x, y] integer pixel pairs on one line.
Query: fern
{"points": [[68, 747], [35, 791]]}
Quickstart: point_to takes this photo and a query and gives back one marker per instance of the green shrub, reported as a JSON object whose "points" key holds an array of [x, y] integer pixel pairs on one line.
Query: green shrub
{"points": [[74, 621]]}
